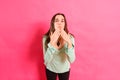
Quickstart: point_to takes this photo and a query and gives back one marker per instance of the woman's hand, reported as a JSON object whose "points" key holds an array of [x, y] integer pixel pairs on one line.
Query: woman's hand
{"points": [[54, 37], [66, 37]]}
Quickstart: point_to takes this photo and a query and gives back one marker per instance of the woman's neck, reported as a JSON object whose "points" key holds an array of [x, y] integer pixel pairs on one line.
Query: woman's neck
{"points": [[60, 39]]}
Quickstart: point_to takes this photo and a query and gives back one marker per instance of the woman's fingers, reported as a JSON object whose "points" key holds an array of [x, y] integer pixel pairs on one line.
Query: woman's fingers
{"points": [[65, 36], [54, 36]]}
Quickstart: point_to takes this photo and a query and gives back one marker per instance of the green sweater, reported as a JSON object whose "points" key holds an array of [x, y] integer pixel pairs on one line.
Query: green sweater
{"points": [[58, 61]]}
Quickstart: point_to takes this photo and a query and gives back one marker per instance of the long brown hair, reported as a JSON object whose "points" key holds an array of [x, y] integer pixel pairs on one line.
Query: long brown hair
{"points": [[52, 28]]}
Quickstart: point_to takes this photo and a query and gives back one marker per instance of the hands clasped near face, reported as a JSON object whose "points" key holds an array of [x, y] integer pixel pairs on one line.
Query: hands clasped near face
{"points": [[54, 37]]}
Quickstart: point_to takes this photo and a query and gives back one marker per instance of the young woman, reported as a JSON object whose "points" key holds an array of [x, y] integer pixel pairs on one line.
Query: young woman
{"points": [[58, 49]]}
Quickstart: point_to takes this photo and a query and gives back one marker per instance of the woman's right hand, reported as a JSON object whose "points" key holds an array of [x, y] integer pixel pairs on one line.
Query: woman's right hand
{"points": [[54, 37]]}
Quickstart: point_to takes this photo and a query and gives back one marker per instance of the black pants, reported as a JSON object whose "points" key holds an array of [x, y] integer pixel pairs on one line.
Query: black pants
{"points": [[53, 76]]}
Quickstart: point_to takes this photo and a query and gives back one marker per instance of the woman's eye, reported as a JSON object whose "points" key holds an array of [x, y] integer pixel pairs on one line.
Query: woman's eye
{"points": [[56, 20], [59, 20]]}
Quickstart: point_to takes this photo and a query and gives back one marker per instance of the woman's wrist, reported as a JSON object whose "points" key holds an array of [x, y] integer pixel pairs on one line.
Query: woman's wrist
{"points": [[69, 44], [53, 44]]}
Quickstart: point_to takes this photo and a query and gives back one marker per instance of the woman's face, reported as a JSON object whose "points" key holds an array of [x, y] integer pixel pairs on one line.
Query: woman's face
{"points": [[59, 23]]}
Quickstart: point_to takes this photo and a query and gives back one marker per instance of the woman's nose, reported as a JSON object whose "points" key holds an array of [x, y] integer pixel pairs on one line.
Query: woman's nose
{"points": [[59, 23]]}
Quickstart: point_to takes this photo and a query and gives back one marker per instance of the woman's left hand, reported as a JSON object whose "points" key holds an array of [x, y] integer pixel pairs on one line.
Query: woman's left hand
{"points": [[65, 36]]}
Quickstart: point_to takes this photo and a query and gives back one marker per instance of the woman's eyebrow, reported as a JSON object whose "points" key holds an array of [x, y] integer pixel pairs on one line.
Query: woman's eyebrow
{"points": [[56, 18]]}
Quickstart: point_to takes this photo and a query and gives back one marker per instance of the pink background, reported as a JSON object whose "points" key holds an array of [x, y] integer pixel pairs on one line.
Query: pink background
{"points": [[95, 24]]}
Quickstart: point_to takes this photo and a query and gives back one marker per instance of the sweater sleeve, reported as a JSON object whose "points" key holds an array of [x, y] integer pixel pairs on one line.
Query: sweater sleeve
{"points": [[48, 51], [71, 51]]}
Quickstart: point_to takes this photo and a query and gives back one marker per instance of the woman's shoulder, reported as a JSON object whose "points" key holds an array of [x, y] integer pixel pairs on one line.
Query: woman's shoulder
{"points": [[71, 35], [44, 37]]}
